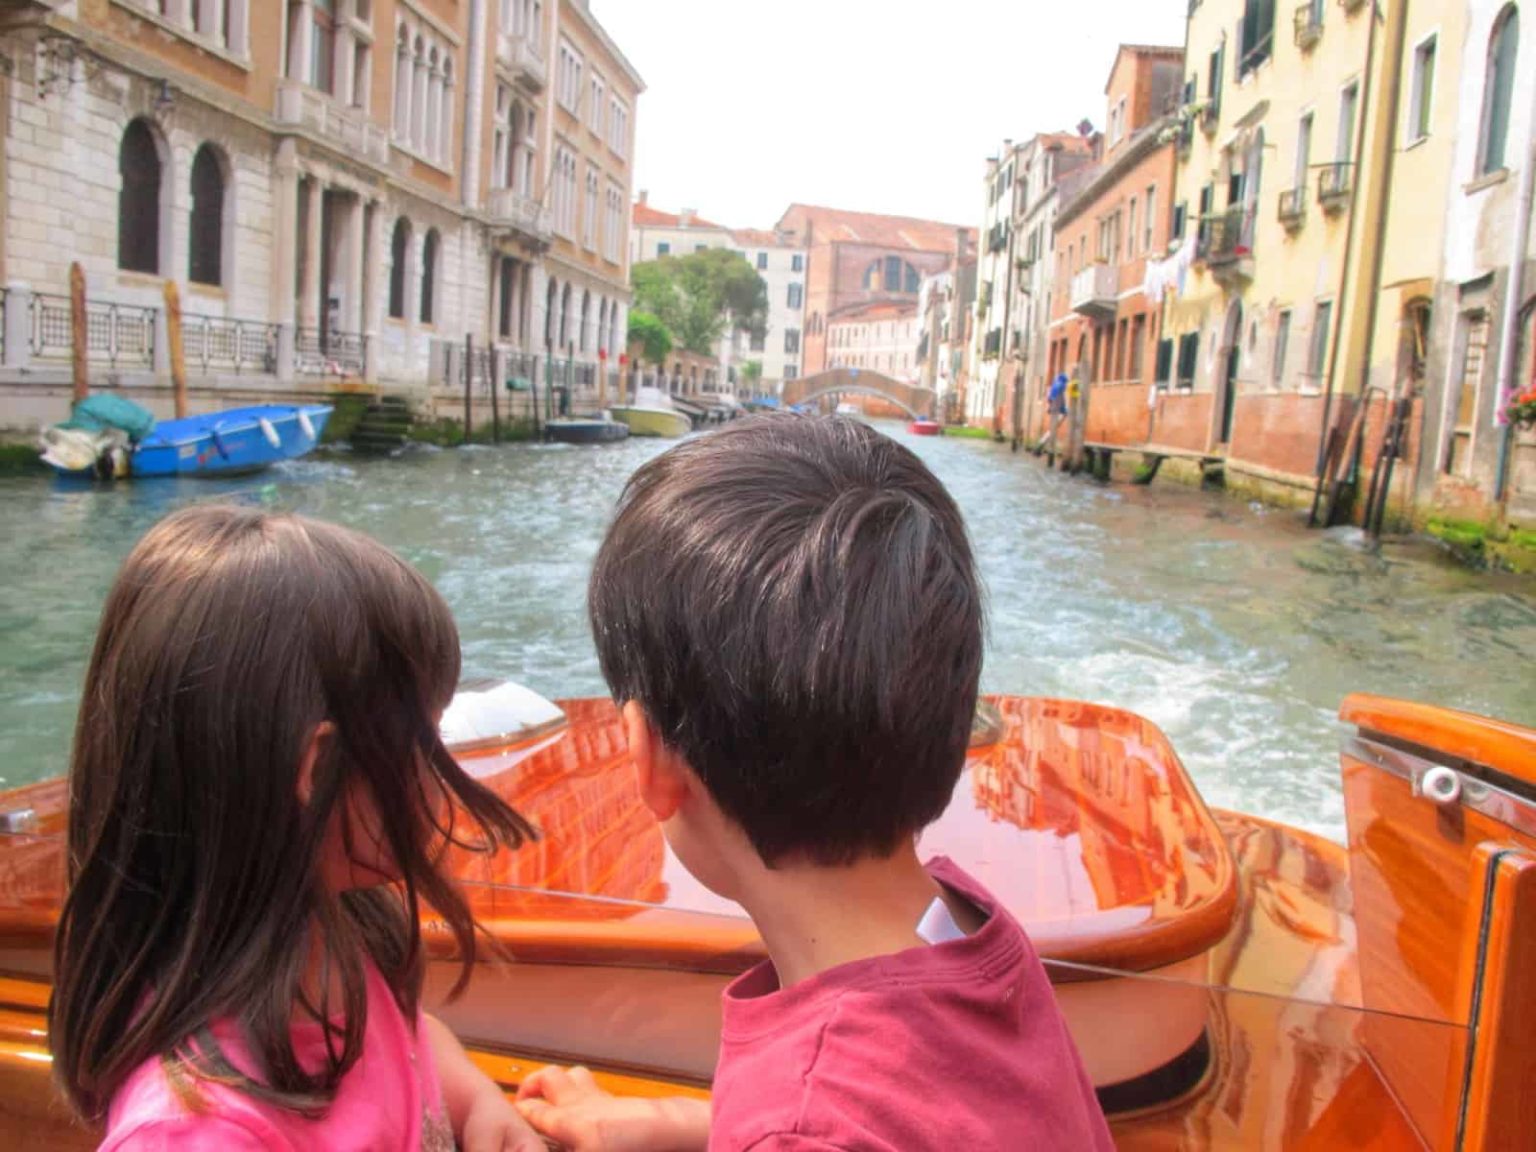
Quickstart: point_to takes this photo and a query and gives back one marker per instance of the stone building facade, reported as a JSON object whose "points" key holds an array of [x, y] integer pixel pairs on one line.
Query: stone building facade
{"points": [[859, 258], [881, 338], [342, 190]]}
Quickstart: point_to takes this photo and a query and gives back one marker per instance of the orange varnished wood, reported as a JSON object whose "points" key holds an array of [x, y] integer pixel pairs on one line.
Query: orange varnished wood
{"points": [[1418, 872], [1509, 748], [1082, 820], [1090, 795], [1501, 1081], [1290, 1069]]}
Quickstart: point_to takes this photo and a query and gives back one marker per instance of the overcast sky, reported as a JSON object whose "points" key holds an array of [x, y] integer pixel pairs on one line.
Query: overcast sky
{"points": [[857, 103]]}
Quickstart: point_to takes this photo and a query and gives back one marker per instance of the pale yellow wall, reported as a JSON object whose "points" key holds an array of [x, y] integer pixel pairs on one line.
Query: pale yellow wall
{"points": [[1421, 183], [1290, 270]]}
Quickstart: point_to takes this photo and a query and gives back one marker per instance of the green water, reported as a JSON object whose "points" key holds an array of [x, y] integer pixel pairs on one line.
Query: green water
{"points": [[1232, 627]]}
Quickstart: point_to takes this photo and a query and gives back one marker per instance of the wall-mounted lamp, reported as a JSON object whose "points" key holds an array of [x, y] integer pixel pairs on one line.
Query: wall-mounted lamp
{"points": [[165, 98]]}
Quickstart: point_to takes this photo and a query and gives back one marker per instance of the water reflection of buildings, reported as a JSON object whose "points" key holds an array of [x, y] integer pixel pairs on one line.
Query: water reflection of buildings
{"points": [[596, 838]]}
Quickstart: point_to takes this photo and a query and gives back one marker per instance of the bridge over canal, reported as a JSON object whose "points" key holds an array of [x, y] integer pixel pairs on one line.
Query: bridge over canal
{"points": [[916, 402]]}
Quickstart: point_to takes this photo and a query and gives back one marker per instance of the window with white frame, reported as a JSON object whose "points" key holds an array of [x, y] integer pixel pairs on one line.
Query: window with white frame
{"points": [[1422, 96], [589, 213], [618, 127], [599, 90], [514, 144], [523, 19], [219, 23], [613, 227], [568, 79], [424, 92], [563, 193]]}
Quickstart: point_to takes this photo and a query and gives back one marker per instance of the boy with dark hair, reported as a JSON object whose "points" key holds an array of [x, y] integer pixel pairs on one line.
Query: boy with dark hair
{"points": [[788, 612]]}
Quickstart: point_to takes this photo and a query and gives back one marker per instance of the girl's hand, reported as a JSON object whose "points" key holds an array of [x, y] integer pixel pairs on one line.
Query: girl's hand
{"points": [[494, 1125], [567, 1106]]}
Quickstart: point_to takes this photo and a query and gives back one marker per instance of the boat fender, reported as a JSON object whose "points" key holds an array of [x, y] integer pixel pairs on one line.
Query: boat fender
{"points": [[270, 432], [306, 426]]}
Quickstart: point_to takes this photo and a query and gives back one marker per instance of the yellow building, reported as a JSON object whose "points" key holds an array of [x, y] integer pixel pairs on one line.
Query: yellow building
{"points": [[1266, 192]]}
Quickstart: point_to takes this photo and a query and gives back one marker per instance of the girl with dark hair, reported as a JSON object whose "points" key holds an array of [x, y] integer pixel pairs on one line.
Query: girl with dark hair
{"points": [[259, 804]]}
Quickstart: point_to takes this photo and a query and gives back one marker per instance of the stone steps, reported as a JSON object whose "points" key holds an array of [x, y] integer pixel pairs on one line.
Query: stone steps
{"points": [[385, 426]]}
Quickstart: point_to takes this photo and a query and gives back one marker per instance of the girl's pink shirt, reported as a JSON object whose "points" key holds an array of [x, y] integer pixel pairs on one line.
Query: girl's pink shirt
{"points": [[390, 1100]]}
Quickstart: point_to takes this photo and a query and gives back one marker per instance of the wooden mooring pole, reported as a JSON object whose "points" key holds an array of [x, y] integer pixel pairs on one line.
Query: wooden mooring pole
{"points": [[176, 348], [490, 378], [79, 333], [469, 383]]}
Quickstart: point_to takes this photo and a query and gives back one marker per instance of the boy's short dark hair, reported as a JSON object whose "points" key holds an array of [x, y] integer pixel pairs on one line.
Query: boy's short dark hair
{"points": [[793, 602]]}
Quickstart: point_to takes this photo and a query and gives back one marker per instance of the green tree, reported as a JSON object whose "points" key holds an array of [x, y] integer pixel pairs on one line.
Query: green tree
{"points": [[647, 330], [700, 296], [752, 373]]}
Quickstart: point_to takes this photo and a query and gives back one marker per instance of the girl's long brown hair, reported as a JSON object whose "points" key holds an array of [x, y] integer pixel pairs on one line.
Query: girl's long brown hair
{"points": [[229, 636]]}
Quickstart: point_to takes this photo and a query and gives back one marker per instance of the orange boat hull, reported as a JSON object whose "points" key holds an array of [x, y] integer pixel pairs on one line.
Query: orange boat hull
{"points": [[1231, 982]]}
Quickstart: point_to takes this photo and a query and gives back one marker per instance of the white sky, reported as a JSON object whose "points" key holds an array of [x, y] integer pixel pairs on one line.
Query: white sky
{"points": [[860, 104]]}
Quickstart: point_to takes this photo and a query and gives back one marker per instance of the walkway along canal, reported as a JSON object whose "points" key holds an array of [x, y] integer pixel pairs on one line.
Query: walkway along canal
{"points": [[1230, 626]]}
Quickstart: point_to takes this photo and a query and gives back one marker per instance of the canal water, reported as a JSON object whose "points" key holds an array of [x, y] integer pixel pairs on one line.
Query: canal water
{"points": [[1232, 627]]}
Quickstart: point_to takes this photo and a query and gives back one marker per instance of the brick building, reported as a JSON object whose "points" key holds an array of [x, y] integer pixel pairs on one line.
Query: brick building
{"points": [[338, 187], [1113, 220], [859, 258]]}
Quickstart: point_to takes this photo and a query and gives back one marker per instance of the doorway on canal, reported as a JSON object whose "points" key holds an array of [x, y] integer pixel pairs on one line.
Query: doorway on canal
{"points": [[1231, 351]]}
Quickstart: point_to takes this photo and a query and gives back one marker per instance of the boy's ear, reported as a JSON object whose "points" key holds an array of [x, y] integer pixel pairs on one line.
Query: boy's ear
{"points": [[660, 774]]}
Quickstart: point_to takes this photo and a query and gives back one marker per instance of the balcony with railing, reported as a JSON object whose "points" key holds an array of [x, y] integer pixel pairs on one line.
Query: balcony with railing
{"points": [[1095, 291], [1335, 185], [301, 106], [511, 210], [524, 59], [1293, 208], [1227, 246]]}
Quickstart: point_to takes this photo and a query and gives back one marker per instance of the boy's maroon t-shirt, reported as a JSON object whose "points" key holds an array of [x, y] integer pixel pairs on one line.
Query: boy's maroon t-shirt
{"points": [[954, 1045]]}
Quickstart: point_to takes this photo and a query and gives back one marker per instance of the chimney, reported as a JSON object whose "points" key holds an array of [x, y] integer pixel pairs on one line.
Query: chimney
{"points": [[645, 196], [685, 217]]}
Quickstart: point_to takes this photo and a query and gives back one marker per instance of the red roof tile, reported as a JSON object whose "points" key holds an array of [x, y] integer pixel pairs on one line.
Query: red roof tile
{"points": [[835, 224], [644, 216]]}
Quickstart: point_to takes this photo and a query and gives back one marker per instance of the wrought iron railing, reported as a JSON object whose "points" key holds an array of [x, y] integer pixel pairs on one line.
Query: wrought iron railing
{"points": [[1227, 237], [219, 344], [1293, 207], [1335, 184], [323, 352], [117, 334], [585, 375]]}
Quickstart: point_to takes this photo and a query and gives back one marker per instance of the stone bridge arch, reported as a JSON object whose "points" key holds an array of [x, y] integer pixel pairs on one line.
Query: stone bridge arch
{"points": [[919, 403]]}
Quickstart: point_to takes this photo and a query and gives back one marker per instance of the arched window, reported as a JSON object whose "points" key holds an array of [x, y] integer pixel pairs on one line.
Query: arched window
{"points": [[205, 239], [1498, 91], [602, 325], [429, 247], [138, 203], [444, 129], [565, 316], [550, 330], [399, 256], [586, 320]]}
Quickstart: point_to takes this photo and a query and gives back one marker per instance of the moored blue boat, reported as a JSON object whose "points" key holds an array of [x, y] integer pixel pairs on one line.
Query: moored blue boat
{"points": [[237, 440]]}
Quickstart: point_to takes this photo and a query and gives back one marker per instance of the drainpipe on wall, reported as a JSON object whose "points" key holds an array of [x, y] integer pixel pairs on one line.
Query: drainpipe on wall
{"points": [[1355, 209], [1360, 215], [1509, 328]]}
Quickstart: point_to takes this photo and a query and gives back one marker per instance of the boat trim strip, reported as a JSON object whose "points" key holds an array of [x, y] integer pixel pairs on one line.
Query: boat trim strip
{"points": [[1475, 793]]}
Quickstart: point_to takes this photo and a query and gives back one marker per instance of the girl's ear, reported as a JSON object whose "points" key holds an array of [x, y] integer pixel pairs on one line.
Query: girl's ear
{"points": [[316, 746], [661, 775]]}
